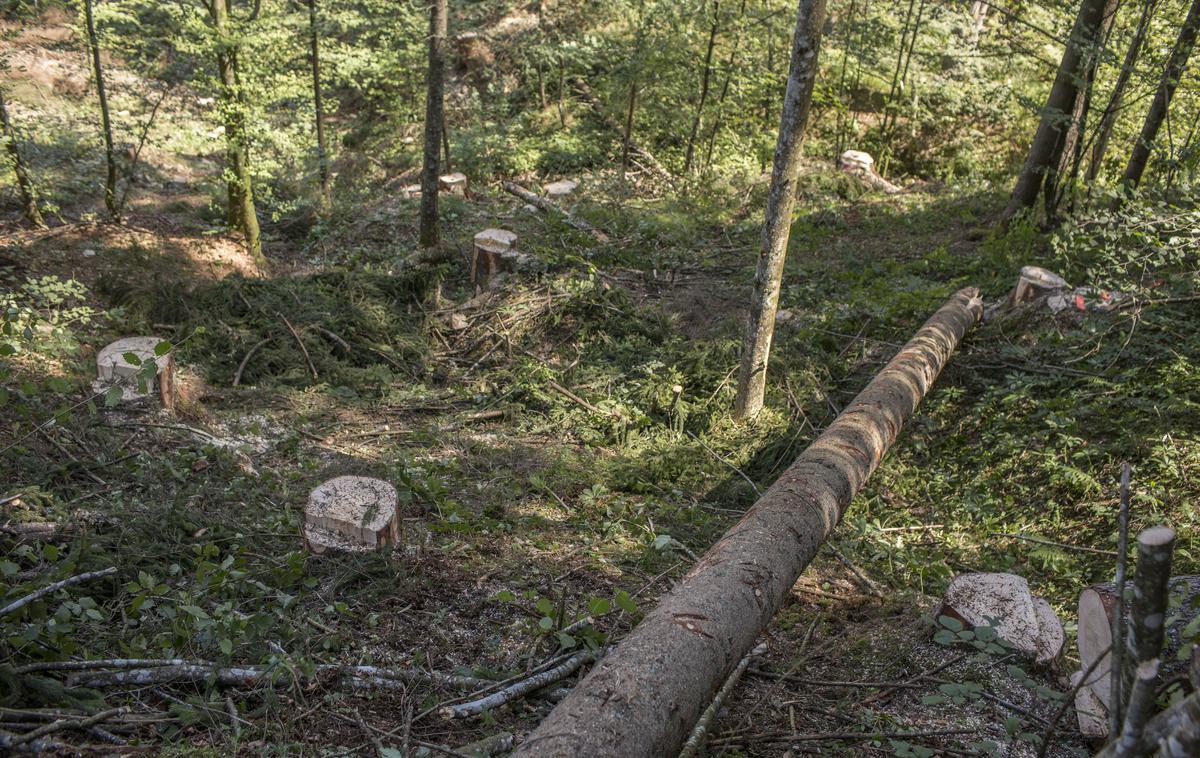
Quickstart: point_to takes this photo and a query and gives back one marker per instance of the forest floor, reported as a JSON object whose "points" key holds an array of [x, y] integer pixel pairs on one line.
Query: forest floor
{"points": [[525, 510]]}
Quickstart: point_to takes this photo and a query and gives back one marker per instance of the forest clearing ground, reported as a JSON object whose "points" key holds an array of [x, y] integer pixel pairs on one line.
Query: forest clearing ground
{"points": [[517, 525]]}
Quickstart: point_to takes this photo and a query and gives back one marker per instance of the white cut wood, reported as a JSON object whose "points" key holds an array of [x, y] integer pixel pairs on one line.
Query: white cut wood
{"points": [[860, 164], [114, 370], [351, 513], [492, 253], [1036, 281], [1089, 711], [454, 184], [1005, 602], [561, 189]]}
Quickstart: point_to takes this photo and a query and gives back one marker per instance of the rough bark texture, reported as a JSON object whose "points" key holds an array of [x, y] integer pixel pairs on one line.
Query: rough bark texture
{"points": [[318, 106], [777, 226], [1183, 717], [1140, 154], [1117, 97], [1045, 152], [644, 698], [110, 158], [435, 85], [1148, 609], [241, 212], [24, 183]]}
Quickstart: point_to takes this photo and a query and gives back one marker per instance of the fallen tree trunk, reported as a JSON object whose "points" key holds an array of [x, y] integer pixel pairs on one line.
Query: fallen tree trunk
{"points": [[549, 206], [645, 696]]}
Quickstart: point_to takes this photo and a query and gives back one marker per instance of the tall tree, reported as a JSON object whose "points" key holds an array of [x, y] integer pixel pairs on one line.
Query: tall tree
{"points": [[1050, 140], [242, 214], [110, 158], [315, 57], [1176, 65], [1117, 97], [781, 201], [24, 183], [705, 77], [430, 235]]}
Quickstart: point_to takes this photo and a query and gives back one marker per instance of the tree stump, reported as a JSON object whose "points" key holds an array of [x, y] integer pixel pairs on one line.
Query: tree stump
{"points": [[453, 184], [491, 249], [860, 164], [1026, 622], [115, 369], [1096, 607], [1034, 282], [561, 189], [351, 514]]}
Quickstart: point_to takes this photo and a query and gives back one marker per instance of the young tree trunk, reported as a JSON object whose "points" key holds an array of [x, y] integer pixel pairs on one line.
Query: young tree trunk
{"points": [[430, 233], [1176, 65], [318, 105], [643, 698], [979, 14], [1063, 175], [627, 139], [781, 200], [110, 158], [1046, 150], [730, 65], [242, 214], [1113, 108], [24, 183], [704, 79]]}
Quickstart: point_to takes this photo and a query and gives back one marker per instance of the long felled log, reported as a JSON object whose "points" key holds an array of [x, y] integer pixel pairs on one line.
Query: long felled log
{"points": [[644, 697]]}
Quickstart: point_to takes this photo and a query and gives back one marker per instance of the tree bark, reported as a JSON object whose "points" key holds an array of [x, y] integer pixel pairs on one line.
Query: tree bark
{"points": [[110, 158], [242, 214], [430, 233], [1140, 155], [318, 106], [1046, 150], [1113, 108], [781, 201], [24, 182], [690, 155], [645, 696]]}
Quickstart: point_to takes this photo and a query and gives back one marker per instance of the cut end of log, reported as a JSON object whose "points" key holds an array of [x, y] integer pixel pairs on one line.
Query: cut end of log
{"points": [[862, 165], [1156, 536], [453, 184], [561, 189], [114, 369], [1026, 622], [351, 513]]}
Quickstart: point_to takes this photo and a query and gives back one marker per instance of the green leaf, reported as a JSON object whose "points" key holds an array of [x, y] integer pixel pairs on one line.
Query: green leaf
{"points": [[163, 348], [195, 611], [505, 596], [598, 606], [226, 645], [944, 637], [544, 606], [625, 602], [950, 623], [546, 623], [112, 397], [132, 359]]}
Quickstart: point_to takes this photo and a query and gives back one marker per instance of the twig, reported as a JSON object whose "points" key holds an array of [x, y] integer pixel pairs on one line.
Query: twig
{"points": [[914, 679], [831, 736], [1118, 618], [108, 663], [299, 342], [568, 394], [21, 603], [521, 688], [870, 584], [341, 342], [374, 738], [694, 742], [1068, 702], [237, 377], [61, 724], [738, 471], [1052, 543], [489, 746]]}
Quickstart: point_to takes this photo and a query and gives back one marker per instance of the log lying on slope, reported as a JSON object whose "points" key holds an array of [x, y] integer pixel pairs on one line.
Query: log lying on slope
{"points": [[549, 206], [644, 697]]}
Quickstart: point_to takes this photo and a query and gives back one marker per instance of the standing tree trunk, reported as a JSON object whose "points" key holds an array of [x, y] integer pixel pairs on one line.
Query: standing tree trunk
{"points": [[979, 14], [643, 698], [1046, 150], [627, 139], [24, 183], [318, 106], [781, 200], [730, 65], [704, 79], [241, 212], [110, 158], [430, 234], [1063, 176], [1109, 118], [1162, 99]]}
